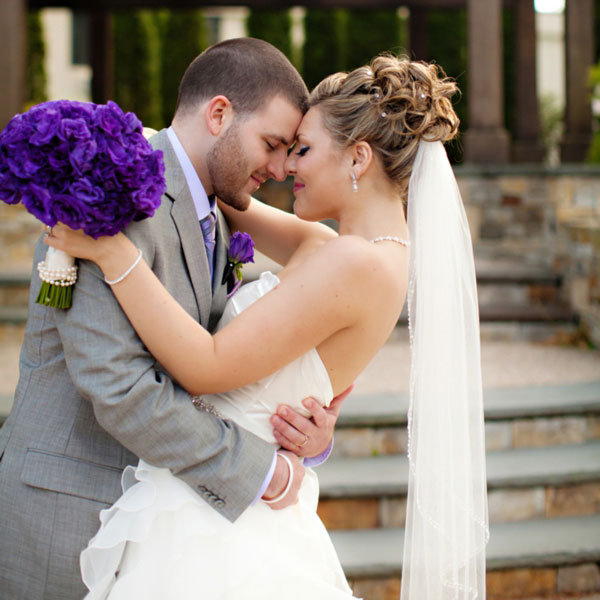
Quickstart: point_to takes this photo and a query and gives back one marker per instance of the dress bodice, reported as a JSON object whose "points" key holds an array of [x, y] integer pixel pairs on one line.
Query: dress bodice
{"points": [[251, 406]]}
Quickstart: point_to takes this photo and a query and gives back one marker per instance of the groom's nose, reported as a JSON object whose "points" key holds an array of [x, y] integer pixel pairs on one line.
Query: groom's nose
{"points": [[276, 168]]}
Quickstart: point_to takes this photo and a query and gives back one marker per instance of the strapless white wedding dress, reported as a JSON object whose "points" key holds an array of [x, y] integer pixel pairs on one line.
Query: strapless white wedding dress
{"points": [[161, 541]]}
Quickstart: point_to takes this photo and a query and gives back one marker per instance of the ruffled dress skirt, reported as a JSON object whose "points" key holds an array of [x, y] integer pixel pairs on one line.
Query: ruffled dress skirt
{"points": [[162, 541]]}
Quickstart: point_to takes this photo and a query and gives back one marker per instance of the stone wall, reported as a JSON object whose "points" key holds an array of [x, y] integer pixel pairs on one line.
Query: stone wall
{"points": [[546, 216]]}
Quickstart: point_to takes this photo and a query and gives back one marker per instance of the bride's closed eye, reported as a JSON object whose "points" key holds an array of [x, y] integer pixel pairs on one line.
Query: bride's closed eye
{"points": [[303, 150]]}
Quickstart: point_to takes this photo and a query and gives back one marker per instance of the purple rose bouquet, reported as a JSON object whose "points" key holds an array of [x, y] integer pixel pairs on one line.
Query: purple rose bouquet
{"points": [[241, 251], [83, 164]]}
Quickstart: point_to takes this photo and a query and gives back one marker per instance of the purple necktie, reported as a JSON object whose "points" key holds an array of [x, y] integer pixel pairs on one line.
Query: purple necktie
{"points": [[207, 224]]}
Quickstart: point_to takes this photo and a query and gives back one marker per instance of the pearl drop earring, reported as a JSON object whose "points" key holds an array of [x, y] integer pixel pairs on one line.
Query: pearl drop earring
{"points": [[354, 182]]}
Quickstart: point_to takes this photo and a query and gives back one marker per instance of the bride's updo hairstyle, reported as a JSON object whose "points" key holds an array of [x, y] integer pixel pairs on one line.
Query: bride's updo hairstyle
{"points": [[392, 104]]}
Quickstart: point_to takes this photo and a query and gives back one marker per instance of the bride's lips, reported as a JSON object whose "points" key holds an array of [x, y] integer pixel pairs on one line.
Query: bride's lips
{"points": [[298, 186]]}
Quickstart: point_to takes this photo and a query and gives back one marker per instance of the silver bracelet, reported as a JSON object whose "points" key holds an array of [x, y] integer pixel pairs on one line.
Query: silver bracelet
{"points": [[131, 268], [289, 483]]}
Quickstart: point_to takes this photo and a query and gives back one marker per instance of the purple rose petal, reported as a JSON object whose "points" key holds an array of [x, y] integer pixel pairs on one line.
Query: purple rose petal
{"points": [[80, 163]]}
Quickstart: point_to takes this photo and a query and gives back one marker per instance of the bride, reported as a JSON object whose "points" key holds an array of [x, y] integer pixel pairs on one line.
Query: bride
{"points": [[370, 142]]}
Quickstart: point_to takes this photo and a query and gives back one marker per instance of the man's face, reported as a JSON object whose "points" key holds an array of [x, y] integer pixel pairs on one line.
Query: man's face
{"points": [[251, 150]]}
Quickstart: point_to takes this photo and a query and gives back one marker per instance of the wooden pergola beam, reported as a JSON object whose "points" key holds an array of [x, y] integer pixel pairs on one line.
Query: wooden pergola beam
{"points": [[12, 58], [100, 5]]}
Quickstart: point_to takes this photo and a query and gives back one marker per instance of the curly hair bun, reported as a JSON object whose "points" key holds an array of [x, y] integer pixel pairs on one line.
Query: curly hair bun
{"points": [[392, 104]]}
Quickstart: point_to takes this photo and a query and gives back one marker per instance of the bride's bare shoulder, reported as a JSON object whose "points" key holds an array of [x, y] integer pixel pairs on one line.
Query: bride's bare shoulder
{"points": [[354, 258]]}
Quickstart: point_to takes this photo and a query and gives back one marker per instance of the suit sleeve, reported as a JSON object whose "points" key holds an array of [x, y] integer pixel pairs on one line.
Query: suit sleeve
{"points": [[144, 409]]}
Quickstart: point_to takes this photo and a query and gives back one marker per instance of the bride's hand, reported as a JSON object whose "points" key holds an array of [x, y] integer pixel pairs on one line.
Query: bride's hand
{"points": [[110, 253]]}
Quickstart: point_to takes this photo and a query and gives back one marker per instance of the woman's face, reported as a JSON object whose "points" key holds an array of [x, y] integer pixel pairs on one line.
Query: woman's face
{"points": [[321, 170]]}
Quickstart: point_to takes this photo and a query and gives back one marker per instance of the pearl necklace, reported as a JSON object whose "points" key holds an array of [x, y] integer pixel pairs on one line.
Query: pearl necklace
{"points": [[390, 238]]}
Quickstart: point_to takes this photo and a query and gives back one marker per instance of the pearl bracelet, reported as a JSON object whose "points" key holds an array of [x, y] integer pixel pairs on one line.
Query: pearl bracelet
{"points": [[131, 268], [289, 483]]}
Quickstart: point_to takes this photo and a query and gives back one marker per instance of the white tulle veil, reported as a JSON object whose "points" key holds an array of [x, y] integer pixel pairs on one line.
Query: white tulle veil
{"points": [[446, 522]]}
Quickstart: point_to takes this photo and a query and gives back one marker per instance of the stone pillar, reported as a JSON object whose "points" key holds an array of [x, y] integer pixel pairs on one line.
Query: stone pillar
{"points": [[527, 146], [486, 140], [12, 58], [579, 47], [418, 33], [101, 40]]}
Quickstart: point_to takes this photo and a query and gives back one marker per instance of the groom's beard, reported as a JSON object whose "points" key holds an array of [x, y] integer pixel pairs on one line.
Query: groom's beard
{"points": [[228, 170]]}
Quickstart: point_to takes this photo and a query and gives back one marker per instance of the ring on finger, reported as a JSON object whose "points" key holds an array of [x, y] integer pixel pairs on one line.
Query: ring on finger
{"points": [[49, 230], [304, 442]]}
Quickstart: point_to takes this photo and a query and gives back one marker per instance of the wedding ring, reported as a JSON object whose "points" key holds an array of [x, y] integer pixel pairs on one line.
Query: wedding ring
{"points": [[304, 442], [49, 230]]}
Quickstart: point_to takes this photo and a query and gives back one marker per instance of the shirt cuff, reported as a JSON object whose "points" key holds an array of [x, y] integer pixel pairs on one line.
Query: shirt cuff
{"points": [[315, 461], [267, 480]]}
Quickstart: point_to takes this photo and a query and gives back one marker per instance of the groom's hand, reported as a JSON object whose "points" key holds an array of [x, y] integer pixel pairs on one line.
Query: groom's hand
{"points": [[281, 478], [307, 436]]}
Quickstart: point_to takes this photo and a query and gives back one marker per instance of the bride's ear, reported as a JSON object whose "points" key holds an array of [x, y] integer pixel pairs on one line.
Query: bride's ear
{"points": [[362, 156]]}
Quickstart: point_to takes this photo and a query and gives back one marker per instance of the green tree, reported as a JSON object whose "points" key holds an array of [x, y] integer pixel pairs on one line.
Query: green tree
{"points": [[447, 46], [183, 37], [137, 65], [35, 77], [324, 48], [370, 32], [273, 26]]}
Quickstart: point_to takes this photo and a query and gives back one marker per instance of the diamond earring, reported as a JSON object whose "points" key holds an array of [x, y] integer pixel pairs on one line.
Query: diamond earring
{"points": [[354, 182]]}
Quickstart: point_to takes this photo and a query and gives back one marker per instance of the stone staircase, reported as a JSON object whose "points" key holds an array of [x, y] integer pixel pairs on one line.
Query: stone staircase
{"points": [[543, 462]]}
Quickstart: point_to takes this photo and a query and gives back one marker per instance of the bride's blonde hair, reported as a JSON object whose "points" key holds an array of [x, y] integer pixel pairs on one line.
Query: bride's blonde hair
{"points": [[392, 104]]}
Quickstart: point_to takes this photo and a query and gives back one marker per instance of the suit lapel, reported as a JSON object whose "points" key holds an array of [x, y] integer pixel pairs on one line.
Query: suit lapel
{"points": [[186, 221], [219, 290]]}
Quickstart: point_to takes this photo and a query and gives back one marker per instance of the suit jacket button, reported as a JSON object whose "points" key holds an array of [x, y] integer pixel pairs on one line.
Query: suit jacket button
{"points": [[219, 504], [202, 488]]}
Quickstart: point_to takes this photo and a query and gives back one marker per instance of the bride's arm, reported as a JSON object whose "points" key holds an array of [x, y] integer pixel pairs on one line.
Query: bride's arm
{"points": [[315, 300], [275, 232]]}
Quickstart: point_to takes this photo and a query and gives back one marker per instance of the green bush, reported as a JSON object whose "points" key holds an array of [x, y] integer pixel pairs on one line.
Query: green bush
{"points": [[35, 76], [273, 26], [324, 49], [594, 82], [137, 66], [370, 32], [183, 36]]}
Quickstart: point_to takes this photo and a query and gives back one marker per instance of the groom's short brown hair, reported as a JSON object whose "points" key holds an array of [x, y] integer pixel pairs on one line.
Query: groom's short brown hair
{"points": [[248, 71]]}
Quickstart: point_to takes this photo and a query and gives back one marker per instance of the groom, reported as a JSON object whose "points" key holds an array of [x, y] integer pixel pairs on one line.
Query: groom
{"points": [[91, 399]]}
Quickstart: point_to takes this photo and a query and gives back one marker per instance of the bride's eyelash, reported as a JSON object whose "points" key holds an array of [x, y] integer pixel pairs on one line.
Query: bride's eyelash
{"points": [[303, 150]]}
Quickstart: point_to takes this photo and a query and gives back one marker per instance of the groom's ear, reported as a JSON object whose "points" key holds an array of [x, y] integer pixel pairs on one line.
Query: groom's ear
{"points": [[218, 114], [362, 156]]}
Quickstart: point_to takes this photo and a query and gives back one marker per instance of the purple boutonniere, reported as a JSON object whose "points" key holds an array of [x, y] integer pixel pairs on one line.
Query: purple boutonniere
{"points": [[241, 251]]}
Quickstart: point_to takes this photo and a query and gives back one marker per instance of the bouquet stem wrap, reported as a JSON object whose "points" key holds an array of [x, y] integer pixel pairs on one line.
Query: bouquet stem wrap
{"points": [[58, 274]]}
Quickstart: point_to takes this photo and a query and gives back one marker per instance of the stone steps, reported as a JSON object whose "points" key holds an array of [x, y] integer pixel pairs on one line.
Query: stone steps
{"points": [[524, 483], [499, 404], [519, 417], [526, 544], [515, 468], [544, 500]]}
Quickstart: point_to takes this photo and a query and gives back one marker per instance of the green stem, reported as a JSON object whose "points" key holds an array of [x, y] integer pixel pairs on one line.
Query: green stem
{"points": [[56, 296]]}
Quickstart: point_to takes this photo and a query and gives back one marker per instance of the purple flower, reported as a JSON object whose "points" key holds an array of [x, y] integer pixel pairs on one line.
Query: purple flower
{"points": [[241, 251], [241, 248], [84, 164]]}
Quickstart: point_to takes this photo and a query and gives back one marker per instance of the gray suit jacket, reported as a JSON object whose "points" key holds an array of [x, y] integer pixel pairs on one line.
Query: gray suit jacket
{"points": [[91, 400]]}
